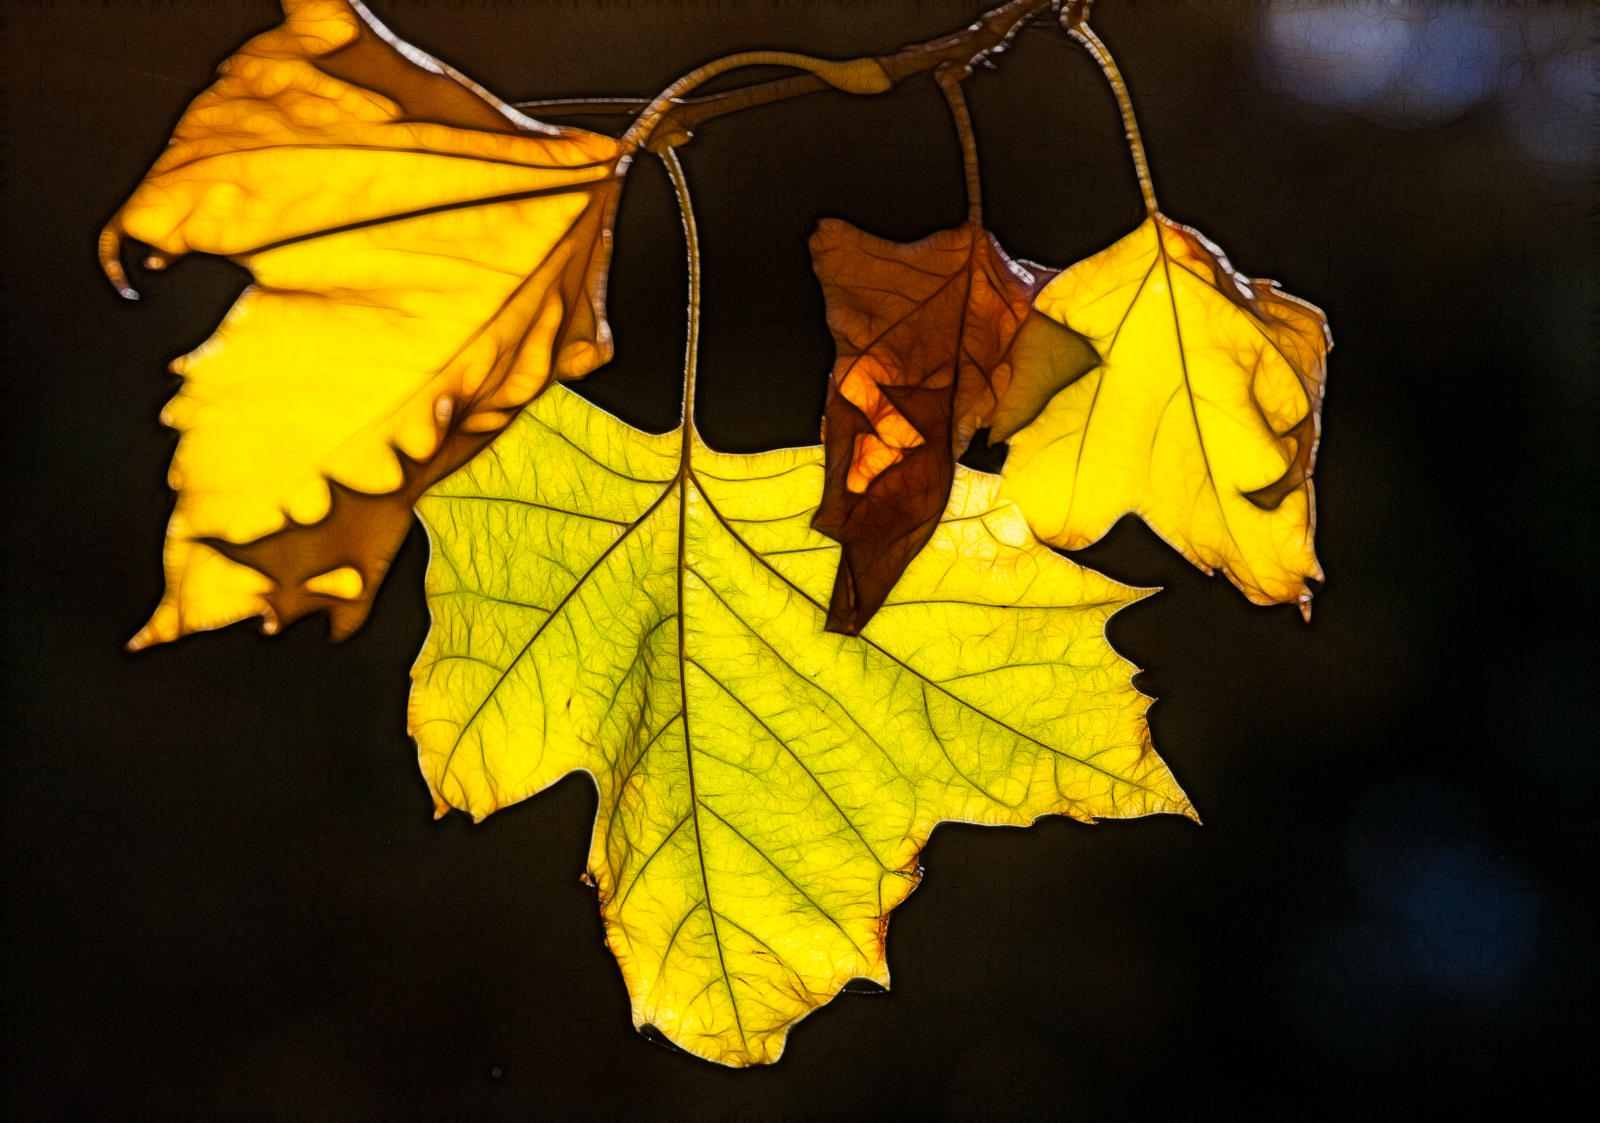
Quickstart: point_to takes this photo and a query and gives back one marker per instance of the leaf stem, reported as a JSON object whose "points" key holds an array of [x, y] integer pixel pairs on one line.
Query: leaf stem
{"points": [[680, 187], [857, 76], [1076, 21], [949, 76]]}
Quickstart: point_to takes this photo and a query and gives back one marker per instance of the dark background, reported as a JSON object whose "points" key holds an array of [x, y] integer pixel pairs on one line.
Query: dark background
{"points": [[224, 892]]}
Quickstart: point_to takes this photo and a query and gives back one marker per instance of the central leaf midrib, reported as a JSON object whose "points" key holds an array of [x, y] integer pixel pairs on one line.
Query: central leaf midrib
{"points": [[686, 448], [1188, 387]]}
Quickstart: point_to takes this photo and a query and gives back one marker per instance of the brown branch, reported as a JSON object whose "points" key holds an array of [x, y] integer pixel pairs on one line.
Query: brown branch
{"points": [[988, 33]]}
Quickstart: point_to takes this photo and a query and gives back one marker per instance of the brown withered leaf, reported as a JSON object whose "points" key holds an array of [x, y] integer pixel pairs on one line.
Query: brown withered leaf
{"points": [[927, 336]]}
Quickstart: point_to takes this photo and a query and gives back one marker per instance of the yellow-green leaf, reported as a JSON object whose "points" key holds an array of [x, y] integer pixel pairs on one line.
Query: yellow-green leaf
{"points": [[1203, 417], [425, 260], [650, 611]]}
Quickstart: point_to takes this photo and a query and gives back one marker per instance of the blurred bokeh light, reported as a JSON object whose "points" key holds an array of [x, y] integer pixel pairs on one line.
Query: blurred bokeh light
{"points": [[1408, 64], [1443, 919]]}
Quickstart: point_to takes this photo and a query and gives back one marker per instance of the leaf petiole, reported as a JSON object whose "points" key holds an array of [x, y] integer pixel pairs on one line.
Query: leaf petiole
{"points": [[1076, 21], [949, 76], [856, 76], [691, 357]]}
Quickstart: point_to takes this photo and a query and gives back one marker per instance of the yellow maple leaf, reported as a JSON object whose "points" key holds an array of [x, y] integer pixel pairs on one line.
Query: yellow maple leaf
{"points": [[650, 611], [425, 258], [1202, 417]]}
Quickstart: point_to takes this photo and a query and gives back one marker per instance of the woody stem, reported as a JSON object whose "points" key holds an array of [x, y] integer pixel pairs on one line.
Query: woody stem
{"points": [[677, 114]]}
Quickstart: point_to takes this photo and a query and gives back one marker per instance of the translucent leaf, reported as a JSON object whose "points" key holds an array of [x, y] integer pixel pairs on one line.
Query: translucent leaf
{"points": [[425, 260], [1203, 417], [650, 611]]}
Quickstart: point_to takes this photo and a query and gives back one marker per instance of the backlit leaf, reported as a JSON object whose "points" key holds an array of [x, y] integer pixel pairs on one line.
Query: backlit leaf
{"points": [[425, 260], [925, 334], [1203, 418], [650, 611]]}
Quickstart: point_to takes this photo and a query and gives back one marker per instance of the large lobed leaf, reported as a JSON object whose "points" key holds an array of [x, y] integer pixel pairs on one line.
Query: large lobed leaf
{"points": [[425, 260], [1203, 417], [650, 611]]}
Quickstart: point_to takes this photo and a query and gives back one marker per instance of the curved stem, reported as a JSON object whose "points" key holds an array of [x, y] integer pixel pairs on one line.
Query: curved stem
{"points": [[1083, 33], [949, 76], [862, 76], [680, 187], [675, 114]]}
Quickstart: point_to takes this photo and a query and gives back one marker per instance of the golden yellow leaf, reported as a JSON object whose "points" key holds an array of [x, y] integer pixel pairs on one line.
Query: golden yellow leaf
{"points": [[426, 259], [650, 611], [1203, 417]]}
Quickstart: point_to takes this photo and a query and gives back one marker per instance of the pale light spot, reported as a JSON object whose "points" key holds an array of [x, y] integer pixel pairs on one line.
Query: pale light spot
{"points": [[1010, 527]]}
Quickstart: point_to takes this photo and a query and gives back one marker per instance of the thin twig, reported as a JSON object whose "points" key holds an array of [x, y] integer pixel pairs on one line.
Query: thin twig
{"points": [[1076, 21]]}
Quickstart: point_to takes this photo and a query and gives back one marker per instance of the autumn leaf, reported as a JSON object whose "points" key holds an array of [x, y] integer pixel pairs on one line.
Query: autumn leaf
{"points": [[426, 259], [926, 335], [649, 611], [1203, 417]]}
